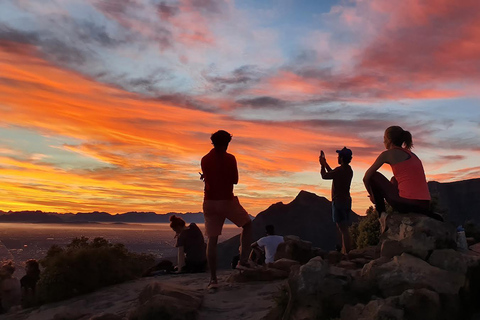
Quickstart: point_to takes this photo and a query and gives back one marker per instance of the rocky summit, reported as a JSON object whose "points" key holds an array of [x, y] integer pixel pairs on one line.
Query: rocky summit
{"points": [[416, 272]]}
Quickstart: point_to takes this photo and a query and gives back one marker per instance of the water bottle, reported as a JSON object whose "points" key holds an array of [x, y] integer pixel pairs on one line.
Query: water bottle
{"points": [[461, 239]]}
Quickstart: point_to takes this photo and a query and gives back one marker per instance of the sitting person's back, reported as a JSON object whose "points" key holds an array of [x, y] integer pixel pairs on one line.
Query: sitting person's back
{"points": [[191, 246], [193, 243], [269, 244]]}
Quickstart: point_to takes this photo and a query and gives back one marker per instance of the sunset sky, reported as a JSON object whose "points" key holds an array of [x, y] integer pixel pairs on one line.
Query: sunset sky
{"points": [[109, 105]]}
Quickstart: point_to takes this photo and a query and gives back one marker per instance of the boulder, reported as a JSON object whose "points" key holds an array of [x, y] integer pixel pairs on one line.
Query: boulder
{"points": [[334, 257], [349, 265], [368, 270], [284, 264], [408, 272], [419, 234], [160, 301], [421, 304], [293, 248], [258, 274], [309, 278], [391, 248], [369, 253], [451, 260]]}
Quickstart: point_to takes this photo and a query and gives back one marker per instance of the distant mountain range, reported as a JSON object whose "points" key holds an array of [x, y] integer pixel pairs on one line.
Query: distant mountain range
{"points": [[92, 217]]}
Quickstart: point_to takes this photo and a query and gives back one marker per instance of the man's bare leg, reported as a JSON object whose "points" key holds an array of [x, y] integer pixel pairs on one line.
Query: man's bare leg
{"points": [[346, 241], [245, 241], [212, 258]]}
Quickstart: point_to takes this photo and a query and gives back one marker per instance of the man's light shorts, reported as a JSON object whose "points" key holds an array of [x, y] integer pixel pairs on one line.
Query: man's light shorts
{"points": [[215, 212]]}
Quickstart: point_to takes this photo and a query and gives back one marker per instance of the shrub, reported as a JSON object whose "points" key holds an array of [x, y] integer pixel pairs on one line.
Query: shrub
{"points": [[84, 266], [367, 231]]}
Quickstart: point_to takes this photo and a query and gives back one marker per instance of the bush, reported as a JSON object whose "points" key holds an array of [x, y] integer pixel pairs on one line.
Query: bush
{"points": [[367, 231], [84, 266]]}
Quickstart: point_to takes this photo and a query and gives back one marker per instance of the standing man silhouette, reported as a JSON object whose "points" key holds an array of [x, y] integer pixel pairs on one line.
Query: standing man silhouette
{"points": [[341, 200], [220, 173]]}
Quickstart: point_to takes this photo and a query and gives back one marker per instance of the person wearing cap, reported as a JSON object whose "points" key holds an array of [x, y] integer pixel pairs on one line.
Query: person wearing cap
{"points": [[341, 200], [407, 191]]}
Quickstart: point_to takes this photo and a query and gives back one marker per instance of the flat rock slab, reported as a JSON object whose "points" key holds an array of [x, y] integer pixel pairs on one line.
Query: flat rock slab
{"points": [[230, 301]]}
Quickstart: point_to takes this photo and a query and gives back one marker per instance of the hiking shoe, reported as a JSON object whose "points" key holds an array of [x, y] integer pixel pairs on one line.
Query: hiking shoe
{"points": [[212, 285]]}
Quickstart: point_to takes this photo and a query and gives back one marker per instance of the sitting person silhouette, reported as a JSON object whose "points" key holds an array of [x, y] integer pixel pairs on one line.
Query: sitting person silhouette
{"points": [[29, 283], [10, 292], [191, 246], [408, 190], [265, 248]]}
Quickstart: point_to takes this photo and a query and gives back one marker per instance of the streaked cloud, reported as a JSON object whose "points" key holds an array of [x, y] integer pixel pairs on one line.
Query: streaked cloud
{"points": [[118, 98]]}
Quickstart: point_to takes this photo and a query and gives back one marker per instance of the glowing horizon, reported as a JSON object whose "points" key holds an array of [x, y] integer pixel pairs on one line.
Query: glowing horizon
{"points": [[109, 106]]}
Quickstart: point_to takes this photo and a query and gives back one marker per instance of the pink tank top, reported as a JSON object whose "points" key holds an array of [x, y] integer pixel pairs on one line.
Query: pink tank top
{"points": [[410, 176]]}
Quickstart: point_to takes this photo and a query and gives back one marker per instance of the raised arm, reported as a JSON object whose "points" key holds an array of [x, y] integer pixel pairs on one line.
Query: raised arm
{"points": [[325, 171]]}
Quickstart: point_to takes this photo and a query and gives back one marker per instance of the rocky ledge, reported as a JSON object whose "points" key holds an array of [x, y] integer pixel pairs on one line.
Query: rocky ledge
{"points": [[416, 272]]}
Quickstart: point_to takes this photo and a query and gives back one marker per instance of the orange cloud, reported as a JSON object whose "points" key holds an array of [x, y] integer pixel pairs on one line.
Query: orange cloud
{"points": [[148, 149]]}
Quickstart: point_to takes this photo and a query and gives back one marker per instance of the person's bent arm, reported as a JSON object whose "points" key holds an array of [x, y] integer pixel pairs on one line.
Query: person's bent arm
{"points": [[181, 258], [254, 245], [235, 172]]}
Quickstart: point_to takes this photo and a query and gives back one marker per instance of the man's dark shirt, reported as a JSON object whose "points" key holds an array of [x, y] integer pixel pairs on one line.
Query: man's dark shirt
{"points": [[342, 178], [220, 174]]}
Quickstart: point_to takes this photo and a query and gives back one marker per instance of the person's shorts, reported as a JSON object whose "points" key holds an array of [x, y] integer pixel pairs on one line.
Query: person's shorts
{"points": [[215, 212], [341, 211]]}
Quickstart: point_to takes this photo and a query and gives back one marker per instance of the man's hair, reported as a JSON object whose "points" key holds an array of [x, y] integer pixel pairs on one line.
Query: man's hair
{"points": [[270, 229], [221, 138]]}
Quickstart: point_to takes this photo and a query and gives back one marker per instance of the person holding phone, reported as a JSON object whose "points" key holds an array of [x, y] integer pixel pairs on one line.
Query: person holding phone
{"points": [[341, 200]]}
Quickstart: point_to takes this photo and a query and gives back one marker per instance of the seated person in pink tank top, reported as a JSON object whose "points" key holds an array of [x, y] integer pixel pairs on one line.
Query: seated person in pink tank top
{"points": [[408, 189]]}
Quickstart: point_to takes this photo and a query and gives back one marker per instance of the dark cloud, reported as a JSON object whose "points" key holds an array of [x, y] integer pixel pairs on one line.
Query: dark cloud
{"points": [[166, 11], [92, 33], [263, 102], [452, 157], [238, 80]]}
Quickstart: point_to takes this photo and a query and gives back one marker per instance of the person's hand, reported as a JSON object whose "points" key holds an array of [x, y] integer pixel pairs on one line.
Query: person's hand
{"points": [[322, 161]]}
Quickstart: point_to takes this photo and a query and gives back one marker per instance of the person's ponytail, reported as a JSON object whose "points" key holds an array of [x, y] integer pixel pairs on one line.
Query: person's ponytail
{"points": [[407, 140]]}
